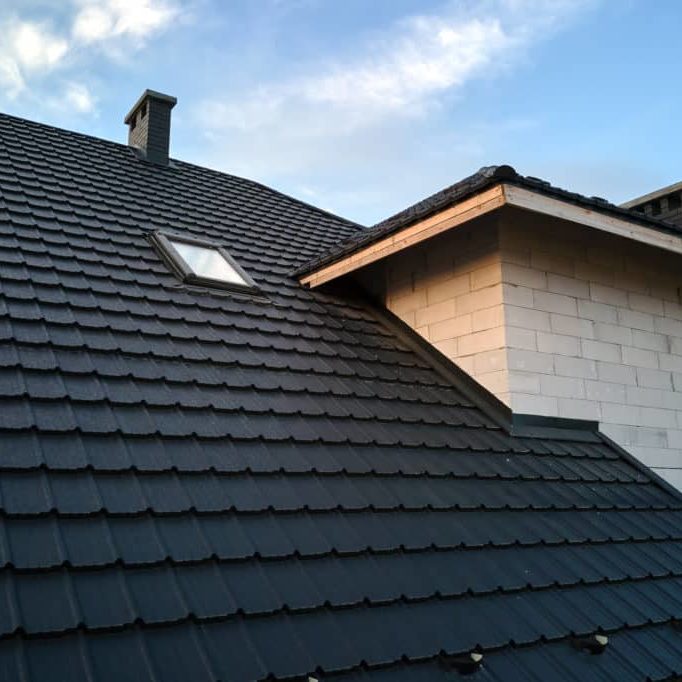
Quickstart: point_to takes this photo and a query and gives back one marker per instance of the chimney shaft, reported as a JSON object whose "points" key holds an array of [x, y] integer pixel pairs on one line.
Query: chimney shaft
{"points": [[149, 126]]}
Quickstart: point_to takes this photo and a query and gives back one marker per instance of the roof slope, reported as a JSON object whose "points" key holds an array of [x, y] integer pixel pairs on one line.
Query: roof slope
{"points": [[199, 486], [483, 179]]}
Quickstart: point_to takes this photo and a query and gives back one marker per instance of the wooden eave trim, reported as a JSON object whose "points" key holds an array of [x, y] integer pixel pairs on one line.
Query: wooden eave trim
{"points": [[462, 212], [480, 204], [534, 201]]}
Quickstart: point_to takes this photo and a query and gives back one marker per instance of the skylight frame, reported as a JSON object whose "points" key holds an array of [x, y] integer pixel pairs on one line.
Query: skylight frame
{"points": [[163, 241]]}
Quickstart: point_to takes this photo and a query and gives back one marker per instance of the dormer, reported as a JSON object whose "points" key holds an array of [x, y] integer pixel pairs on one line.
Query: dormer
{"points": [[559, 304]]}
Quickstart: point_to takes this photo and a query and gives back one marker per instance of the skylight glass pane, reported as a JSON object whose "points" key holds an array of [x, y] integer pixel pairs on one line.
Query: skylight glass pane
{"points": [[207, 262]]}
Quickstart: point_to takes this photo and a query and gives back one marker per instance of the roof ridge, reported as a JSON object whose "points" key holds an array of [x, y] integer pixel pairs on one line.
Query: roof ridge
{"points": [[49, 126], [191, 165], [257, 183], [485, 173]]}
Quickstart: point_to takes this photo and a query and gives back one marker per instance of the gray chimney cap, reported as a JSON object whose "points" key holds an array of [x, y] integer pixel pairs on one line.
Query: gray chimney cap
{"points": [[147, 95]]}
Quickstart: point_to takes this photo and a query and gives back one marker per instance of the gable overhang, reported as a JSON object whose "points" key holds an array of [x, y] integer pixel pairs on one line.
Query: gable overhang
{"points": [[480, 204]]}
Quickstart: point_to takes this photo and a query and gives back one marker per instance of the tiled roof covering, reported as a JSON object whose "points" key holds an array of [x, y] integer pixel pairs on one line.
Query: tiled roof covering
{"points": [[483, 179], [197, 486]]}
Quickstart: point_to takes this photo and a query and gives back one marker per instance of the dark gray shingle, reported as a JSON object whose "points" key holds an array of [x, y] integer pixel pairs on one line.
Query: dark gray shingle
{"points": [[195, 485]]}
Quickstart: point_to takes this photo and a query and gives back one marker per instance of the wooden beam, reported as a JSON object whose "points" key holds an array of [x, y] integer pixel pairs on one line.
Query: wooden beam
{"points": [[481, 204], [462, 212], [539, 203]]}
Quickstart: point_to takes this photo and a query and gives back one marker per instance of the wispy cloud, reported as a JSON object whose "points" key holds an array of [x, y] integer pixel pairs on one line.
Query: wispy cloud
{"points": [[399, 75], [27, 47], [429, 54], [78, 97], [66, 36], [34, 45], [406, 74], [99, 21], [70, 97]]}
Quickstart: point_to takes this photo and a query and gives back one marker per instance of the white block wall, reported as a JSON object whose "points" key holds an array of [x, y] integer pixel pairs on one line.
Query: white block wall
{"points": [[602, 325], [450, 291], [557, 320]]}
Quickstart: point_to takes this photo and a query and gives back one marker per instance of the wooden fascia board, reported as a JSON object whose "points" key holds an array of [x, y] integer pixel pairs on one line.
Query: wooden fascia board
{"points": [[539, 203], [480, 204], [462, 212]]}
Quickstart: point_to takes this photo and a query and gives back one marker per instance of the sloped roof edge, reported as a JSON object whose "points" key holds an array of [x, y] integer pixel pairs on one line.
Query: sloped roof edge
{"points": [[485, 178], [650, 196], [514, 423]]}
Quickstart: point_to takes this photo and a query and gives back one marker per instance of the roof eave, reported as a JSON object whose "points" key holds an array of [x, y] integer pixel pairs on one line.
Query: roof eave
{"points": [[651, 196], [485, 201], [447, 219]]}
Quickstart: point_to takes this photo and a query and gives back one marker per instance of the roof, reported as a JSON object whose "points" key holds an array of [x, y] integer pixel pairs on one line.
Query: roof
{"points": [[656, 194], [199, 485], [483, 179]]}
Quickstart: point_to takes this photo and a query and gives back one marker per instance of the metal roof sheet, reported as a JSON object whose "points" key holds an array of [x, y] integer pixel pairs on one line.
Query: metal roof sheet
{"points": [[198, 485]]}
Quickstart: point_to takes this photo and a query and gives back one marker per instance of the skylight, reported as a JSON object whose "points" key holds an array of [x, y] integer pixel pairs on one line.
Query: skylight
{"points": [[208, 262], [198, 261]]}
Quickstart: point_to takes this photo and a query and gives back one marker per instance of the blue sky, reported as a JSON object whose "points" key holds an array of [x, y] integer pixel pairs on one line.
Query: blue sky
{"points": [[365, 106]]}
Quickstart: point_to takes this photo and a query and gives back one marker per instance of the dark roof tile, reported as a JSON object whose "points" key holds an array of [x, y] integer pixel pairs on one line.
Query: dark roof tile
{"points": [[200, 486]]}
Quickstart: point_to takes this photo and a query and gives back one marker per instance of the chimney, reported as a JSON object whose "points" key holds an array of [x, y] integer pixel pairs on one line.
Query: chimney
{"points": [[149, 126]]}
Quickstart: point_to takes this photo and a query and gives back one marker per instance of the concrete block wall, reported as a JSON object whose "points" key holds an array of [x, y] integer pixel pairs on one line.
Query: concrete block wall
{"points": [[450, 291], [601, 318], [557, 320]]}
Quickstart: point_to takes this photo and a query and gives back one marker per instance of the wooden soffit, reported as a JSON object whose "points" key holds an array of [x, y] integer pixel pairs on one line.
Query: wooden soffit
{"points": [[478, 205]]}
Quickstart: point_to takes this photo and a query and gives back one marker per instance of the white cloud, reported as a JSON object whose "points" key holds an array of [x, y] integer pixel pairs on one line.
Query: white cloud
{"points": [[35, 46], [79, 98], [98, 21], [71, 97], [31, 49], [427, 56], [27, 47], [401, 74], [11, 79], [93, 24], [432, 55], [363, 116], [366, 134]]}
